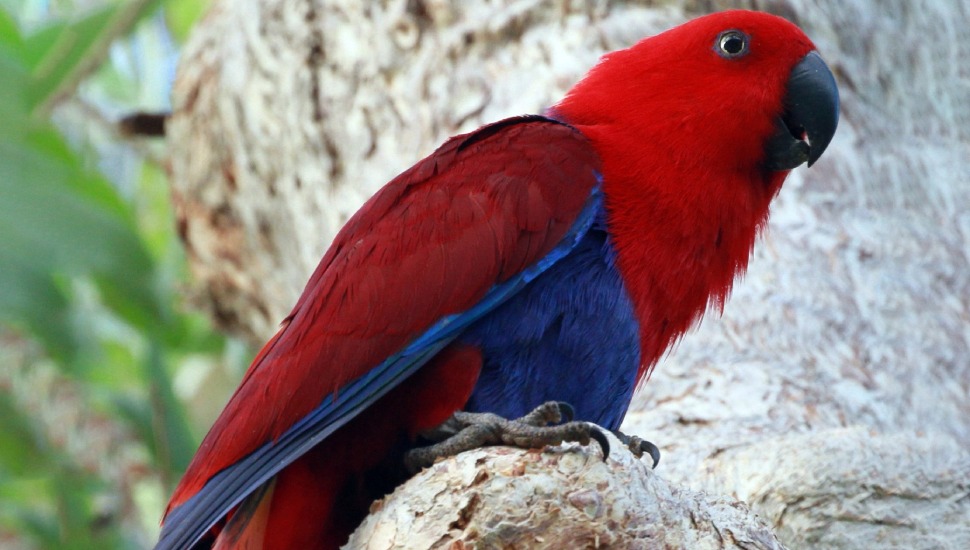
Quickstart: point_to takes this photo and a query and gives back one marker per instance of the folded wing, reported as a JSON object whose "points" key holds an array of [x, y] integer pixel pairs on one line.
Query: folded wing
{"points": [[437, 248]]}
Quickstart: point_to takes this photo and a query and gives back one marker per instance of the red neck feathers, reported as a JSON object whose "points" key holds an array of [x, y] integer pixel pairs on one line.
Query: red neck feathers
{"points": [[681, 134]]}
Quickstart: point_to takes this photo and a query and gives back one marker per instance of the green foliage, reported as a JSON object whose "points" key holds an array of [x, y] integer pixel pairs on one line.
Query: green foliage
{"points": [[182, 15], [90, 276]]}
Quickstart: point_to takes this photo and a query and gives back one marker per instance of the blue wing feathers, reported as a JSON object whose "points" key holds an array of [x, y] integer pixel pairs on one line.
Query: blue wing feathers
{"points": [[186, 524], [572, 336]]}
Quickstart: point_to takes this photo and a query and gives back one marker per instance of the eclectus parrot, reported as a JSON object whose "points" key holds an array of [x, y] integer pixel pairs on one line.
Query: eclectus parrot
{"points": [[538, 259]]}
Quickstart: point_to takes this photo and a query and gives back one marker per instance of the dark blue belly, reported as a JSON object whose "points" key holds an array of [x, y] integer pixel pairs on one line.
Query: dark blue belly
{"points": [[569, 336]]}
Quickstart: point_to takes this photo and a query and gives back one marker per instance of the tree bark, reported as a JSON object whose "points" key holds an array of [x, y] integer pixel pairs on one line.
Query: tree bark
{"points": [[831, 397], [563, 497]]}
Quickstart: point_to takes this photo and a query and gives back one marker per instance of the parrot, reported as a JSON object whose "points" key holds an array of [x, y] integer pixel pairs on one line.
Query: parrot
{"points": [[528, 274]]}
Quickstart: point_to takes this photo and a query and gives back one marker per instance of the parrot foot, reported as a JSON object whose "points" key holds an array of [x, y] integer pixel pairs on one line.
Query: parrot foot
{"points": [[465, 431], [639, 446]]}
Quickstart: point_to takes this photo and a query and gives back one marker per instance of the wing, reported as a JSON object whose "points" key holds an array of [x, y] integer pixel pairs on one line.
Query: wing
{"points": [[434, 250]]}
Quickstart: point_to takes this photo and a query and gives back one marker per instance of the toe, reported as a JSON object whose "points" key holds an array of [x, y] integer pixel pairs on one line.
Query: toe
{"points": [[566, 411]]}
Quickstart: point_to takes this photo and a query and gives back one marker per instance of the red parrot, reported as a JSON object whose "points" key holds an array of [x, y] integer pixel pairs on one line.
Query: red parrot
{"points": [[538, 259]]}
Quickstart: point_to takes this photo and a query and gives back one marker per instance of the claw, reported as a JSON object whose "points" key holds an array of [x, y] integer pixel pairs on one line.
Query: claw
{"points": [[654, 452], [639, 446], [600, 437], [566, 411]]}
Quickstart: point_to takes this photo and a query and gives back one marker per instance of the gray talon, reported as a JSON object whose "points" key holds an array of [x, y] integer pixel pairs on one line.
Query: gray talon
{"points": [[639, 446], [600, 438], [566, 411], [465, 431]]}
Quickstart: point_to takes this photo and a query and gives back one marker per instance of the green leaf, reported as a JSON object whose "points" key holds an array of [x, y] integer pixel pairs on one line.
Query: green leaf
{"points": [[174, 443], [23, 451], [63, 53], [10, 36], [182, 16], [30, 299], [160, 421], [13, 95], [93, 276], [54, 219], [56, 214]]}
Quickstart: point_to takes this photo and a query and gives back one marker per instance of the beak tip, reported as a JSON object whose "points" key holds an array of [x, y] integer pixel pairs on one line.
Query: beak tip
{"points": [[814, 95], [812, 103]]}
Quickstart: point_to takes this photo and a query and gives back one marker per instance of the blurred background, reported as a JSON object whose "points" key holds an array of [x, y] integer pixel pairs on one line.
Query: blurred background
{"points": [[854, 312], [99, 360]]}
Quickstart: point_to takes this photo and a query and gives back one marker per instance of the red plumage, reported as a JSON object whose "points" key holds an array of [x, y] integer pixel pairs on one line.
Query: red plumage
{"points": [[676, 133], [430, 243], [684, 179]]}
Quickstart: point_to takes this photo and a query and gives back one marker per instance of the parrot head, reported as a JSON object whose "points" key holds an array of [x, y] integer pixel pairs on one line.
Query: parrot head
{"points": [[737, 87], [697, 129]]}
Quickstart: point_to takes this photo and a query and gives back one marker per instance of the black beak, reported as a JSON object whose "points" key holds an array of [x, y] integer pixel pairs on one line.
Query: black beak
{"points": [[811, 113]]}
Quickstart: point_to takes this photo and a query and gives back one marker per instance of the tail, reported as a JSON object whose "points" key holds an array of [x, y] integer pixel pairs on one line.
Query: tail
{"points": [[294, 510], [319, 499]]}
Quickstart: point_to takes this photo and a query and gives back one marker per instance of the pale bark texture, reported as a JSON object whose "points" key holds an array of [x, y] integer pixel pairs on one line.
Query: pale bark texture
{"points": [[831, 397], [564, 497]]}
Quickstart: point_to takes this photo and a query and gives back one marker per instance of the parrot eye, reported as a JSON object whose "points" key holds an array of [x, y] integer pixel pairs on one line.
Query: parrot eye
{"points": [[731, 44]]}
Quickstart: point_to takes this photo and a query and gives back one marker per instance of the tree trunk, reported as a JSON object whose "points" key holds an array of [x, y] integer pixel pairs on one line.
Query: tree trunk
{"points": [[831, 397]]}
